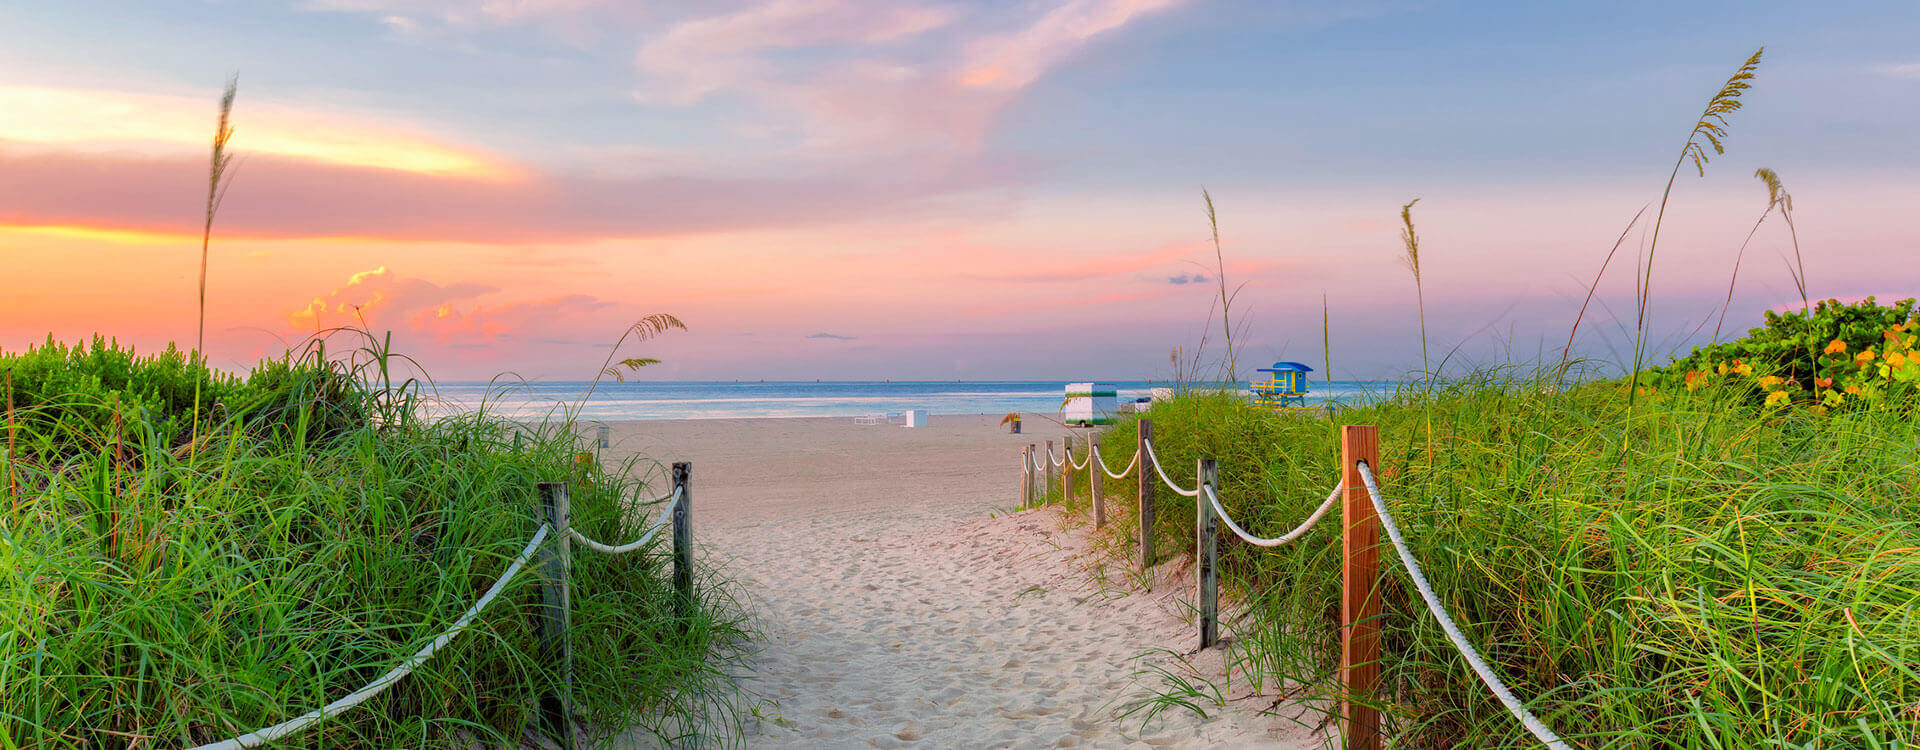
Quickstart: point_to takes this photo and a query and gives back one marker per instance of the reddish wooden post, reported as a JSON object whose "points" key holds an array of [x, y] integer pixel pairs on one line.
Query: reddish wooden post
{"points": [[1360, 588], [1145, 484]]}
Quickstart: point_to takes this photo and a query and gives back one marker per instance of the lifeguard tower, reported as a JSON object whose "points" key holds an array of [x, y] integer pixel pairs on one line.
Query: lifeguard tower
{"points": [[1286, 386]]}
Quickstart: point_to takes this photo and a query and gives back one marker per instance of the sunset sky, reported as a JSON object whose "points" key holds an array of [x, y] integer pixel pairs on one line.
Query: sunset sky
{"points": [[935, 189]]}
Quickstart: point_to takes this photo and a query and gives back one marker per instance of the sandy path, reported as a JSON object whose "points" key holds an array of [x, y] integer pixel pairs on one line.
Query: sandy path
{"points": [[898, 604]]}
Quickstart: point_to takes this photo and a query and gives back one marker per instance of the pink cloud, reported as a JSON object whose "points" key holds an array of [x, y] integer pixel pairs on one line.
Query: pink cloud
{"points": [[451, 316], [481, 324], [1014, 60], [867, 92], [699, 57], [280, 197], [1086, 269]]}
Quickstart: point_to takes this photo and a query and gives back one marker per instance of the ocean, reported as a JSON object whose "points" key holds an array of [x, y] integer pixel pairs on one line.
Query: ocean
{"points": [[735, 400]]}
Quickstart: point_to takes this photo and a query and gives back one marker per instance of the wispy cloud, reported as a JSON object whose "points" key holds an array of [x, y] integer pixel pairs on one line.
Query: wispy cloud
{"points": [[1022, 269], [1015, 59], [1188, 278], [1908, 70], [834, 336], [152, 197]]}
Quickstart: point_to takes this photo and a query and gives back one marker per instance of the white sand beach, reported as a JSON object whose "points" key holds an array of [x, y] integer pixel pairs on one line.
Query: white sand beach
{"points": [[900, 601]]}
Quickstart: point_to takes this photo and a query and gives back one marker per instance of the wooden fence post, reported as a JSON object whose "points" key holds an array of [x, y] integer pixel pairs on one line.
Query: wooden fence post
{"points": [[1206, 549], [606, 433], [1360, 588], [1145, 485], [556, 610], [1026, 477], [683, 543], [1066, 473], [1047, 467], [1033, 475], [1096, 485]]}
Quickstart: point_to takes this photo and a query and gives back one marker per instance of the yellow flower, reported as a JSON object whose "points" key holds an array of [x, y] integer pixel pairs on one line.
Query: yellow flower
{"points": [[1853, 390], [1696, 380], [1776, 398], [1864, 357], [1836, 347], [1896, 359], [1723, 368], [1742, 367], [1770, 381]]}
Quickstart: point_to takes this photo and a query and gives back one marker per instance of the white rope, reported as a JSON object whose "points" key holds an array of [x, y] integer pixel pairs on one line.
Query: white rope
{"points": [[1123, 472], [1195, 492], [665, 514], [285, 728], [1278, 540], [1084, 462], [1479, 665], [1053, 458], [663, 498]]}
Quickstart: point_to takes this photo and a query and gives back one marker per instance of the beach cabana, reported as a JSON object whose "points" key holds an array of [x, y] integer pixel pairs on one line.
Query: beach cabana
{"points": [[1285, 386]]}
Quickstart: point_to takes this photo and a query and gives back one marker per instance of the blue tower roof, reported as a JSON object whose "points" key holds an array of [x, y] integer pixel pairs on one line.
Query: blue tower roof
{"points": [[1287, 367]]}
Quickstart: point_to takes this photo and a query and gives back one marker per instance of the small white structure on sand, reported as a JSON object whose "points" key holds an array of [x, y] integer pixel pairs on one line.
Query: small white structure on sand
{"points": [[916, 417], [1089, 404]]}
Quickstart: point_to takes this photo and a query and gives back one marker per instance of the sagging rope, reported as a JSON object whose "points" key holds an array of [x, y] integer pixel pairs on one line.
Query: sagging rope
{"points": [[283, 729], [1084, 462], [1474, 660], [665, 514], [1050, 457], [1303, 528], [1123, 472], [1147, 445]]}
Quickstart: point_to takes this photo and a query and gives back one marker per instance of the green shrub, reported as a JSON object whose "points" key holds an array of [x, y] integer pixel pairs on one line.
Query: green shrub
{"points": [[1822, 360], [317, 532]]}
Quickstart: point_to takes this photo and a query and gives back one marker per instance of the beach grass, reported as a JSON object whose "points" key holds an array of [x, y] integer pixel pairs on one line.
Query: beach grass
{"points": [[167, 586], [1730, 575]]}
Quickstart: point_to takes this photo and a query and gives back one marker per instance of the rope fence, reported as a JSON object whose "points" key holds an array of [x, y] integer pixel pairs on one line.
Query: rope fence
{"points": [[1474, 660], [557, 565], [379, 685], [1365, 515]]}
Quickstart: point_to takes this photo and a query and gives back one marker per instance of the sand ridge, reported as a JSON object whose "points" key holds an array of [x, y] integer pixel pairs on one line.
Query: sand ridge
{"points": [[900, 601]]}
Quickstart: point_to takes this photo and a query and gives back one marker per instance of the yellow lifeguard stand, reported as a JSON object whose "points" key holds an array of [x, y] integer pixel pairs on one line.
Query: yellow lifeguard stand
{"points": [[1285, 387]]}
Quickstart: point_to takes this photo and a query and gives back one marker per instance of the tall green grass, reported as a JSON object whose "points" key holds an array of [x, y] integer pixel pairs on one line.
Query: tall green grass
{"points": [[1731, 576], [164, 586]]}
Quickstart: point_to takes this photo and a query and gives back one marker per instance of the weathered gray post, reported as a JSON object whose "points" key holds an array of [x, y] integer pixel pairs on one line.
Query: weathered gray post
{"points": [[1206, 546], [1146, 496], [1095, 484], [556, 610], [1026, 477], [683, 543], [1048, 468], [1066, 473], [1033, 473], [605, 433]]}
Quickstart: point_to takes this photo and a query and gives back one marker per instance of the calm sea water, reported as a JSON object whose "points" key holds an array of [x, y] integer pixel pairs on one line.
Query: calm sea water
{"points": [[708, 400]]}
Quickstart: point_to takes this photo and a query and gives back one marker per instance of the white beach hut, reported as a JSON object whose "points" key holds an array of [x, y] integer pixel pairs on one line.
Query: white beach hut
{"points": [[1089, 404]]}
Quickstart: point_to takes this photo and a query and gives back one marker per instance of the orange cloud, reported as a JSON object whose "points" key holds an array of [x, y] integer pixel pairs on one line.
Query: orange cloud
{"points": [[100, 120]]}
